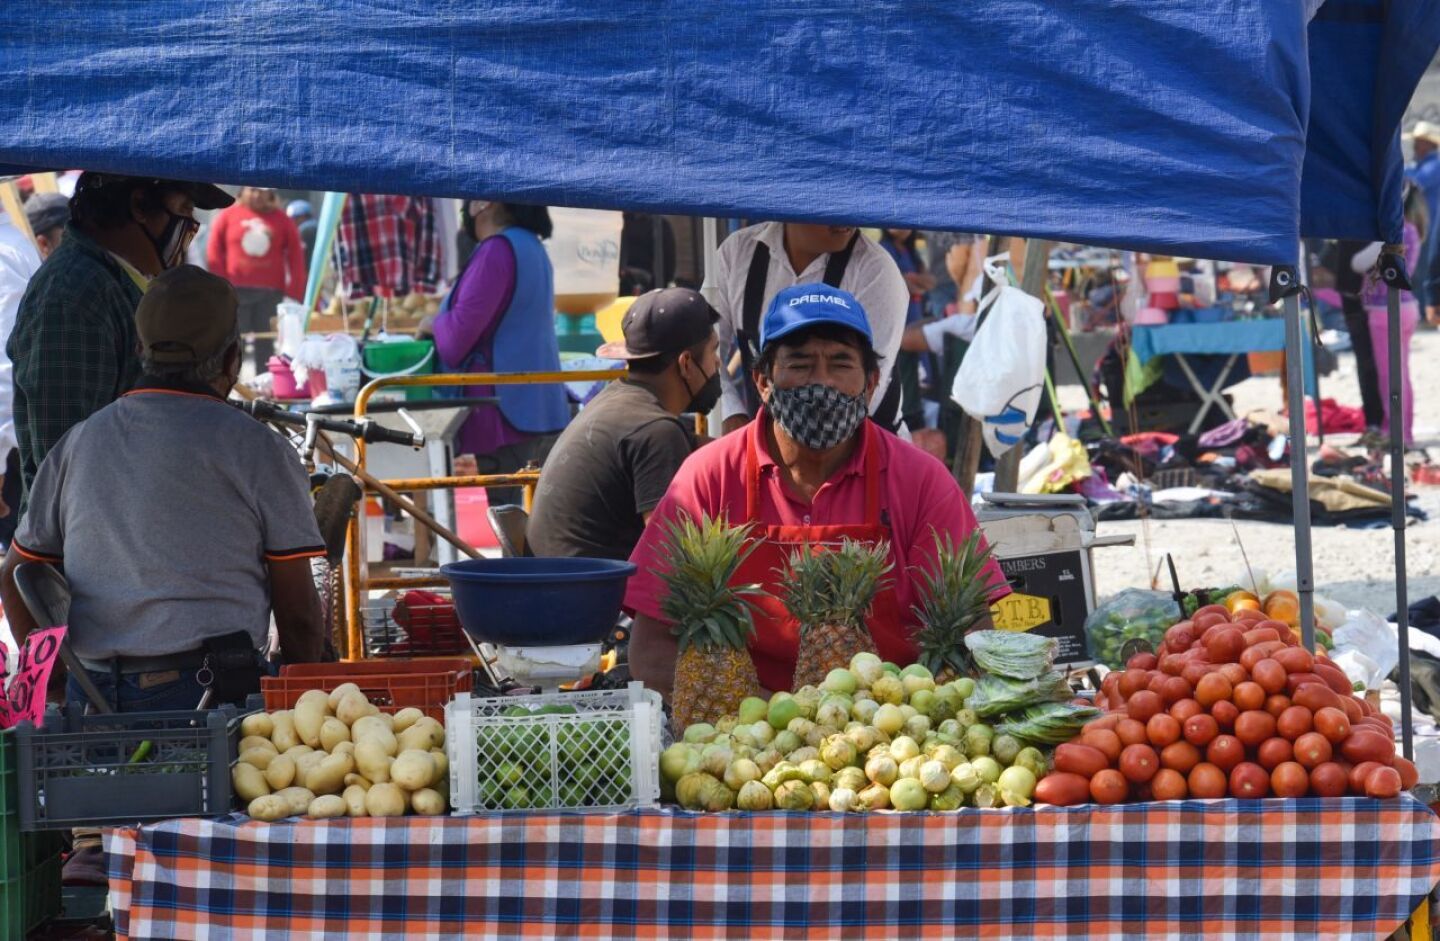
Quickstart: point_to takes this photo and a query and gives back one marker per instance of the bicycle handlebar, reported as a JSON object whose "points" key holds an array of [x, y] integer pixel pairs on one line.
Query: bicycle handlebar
{"points": [[368, 431]]}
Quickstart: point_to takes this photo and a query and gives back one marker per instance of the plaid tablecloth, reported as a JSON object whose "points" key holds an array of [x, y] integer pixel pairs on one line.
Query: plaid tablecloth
{"points": [[1334, 868]]}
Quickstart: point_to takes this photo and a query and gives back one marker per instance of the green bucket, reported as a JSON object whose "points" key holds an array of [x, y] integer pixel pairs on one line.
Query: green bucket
{"points": [[400, 358]]}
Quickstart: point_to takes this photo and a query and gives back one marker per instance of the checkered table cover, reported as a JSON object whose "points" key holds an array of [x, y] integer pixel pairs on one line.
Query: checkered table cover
{"points": [[1273, 870]]}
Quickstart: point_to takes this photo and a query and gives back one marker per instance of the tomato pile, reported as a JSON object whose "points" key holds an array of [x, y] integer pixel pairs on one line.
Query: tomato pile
{"points": [[1230, 705]]}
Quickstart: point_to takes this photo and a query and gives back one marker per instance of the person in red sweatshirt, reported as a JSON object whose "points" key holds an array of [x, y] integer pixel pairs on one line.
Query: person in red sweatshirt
{"points": [[257, 248]]}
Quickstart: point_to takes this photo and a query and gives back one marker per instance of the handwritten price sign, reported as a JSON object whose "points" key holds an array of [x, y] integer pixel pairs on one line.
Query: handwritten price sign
{"points": [[25, 692]]}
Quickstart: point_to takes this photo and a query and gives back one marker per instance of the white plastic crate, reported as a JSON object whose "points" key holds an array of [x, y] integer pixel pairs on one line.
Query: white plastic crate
{"points": [[604, 756]]}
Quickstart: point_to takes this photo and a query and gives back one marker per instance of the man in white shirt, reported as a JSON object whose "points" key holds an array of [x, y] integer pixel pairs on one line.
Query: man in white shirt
{"points": [[18, 261], [758, 262]]}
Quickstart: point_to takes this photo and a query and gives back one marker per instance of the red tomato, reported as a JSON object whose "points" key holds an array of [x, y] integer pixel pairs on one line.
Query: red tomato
{"points": [[1248, 695], [1254, 726], [1225, 646], [1211, 689], [1277, 704], [1062, 789], [1294, 722], [1234, 672], [1109, 787], [1162, 729], [1316, 696], [1328, 780], [1269, 674], [1274, 752], [1289, 779], [1079, 758], [1333, 724], [1186, 708], [1294, 659], [1171, 664], [1200, 730], [1382, 782], [1225, 752], [1143, 705], [1313, 749], [1368, 745], [1206, 780], [1225, 712], [1180, 636], [1132, 681], [1131, 732], [1142, 661], [1104, 741], [1169, 785], [1248, 780], [1179, 756], [1359, 773], [1174, 690], [1139, 763], [1409, 774]]}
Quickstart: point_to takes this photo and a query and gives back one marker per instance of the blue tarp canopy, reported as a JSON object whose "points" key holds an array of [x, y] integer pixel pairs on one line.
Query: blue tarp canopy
{"points": [[1173, 125]]}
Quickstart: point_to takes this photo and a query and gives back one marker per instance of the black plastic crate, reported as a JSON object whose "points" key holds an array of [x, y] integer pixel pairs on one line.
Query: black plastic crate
{"points": [[98, 770]]}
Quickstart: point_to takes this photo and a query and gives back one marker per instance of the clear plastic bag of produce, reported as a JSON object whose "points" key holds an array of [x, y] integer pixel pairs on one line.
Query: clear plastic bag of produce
{"points": [[1014, 654], [1049, 723], [995, 695], [1135, 613]]}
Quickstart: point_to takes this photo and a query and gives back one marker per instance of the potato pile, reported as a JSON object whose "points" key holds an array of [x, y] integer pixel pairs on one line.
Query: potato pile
{"points": [[337, 755]]}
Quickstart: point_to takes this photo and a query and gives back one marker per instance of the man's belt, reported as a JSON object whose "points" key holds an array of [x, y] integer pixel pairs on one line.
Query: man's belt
{"points": [[189, 660]]}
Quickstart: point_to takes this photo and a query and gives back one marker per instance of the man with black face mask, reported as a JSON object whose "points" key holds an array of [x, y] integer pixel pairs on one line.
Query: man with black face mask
{"points": [[74, 345], [808, 471], [613, 463]]}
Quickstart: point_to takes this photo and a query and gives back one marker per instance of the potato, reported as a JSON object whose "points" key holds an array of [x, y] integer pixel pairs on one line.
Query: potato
{"points": [[355, 780], [317, 696], [353, 705], [385, 800], [332, 733], [249, 782], [298, 798], [354, 798], [297, 751], [328, 777], [309, 716], [380, 736], [442, 764], [258, 758], [338, 693], [255, 741], [427, 802], [325, 806], [257, 724], [425, 734], [284, 735], [269, 807], [368, 725], [343, 748], [407, 717], [305, 764], [413, 770], [281, 772], [373, 761]]}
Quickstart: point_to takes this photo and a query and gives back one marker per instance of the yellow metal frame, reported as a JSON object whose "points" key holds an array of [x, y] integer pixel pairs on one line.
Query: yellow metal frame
{"points": [[357, 580]]}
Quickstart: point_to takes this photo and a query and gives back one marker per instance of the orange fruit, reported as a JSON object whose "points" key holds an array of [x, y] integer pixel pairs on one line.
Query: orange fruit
{"points": [[1283, 606], [1232, 600]]}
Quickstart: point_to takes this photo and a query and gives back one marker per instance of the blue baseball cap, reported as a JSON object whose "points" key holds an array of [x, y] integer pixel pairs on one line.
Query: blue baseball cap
{"points": [[806, 305]]}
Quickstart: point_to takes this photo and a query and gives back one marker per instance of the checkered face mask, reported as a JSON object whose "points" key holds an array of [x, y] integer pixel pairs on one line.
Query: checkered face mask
{"points": [[817, 416]]}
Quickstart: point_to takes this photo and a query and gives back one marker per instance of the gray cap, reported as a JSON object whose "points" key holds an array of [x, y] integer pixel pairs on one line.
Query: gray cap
{"points": [[47, 211]]}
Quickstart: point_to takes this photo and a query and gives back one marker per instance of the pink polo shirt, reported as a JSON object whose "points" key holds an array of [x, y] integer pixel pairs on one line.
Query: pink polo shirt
{"points": [[917, 494]]}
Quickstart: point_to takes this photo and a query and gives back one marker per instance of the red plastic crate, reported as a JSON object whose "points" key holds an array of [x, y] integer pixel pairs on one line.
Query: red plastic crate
{"points": [[427, 684]]}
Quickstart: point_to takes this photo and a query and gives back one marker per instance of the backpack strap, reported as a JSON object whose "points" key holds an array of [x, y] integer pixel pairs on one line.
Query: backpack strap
{"points": [[836, 264]]}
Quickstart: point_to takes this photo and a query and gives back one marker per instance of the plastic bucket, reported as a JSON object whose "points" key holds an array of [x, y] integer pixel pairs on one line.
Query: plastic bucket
{"points": [[282, 380], [538, 602], [400, 358]]}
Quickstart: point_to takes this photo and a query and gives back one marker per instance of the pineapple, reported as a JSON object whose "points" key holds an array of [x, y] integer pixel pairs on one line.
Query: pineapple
{"points": [[712, 618], [831, 591], [955, 599]]}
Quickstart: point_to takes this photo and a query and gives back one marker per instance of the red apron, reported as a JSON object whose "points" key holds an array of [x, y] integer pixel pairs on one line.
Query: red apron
{"points": [[777, 636]]}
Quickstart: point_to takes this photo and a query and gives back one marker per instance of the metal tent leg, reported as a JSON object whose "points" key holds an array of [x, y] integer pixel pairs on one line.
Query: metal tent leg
{"points": [[1397, 510], [1284, 279]]}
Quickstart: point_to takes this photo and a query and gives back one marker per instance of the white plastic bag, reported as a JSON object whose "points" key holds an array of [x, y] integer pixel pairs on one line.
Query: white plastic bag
{"points": [[1003, 374], [1365, 632]]}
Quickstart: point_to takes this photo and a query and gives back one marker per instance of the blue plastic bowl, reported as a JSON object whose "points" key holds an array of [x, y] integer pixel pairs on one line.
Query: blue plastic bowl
{"points": [[538, 602]]}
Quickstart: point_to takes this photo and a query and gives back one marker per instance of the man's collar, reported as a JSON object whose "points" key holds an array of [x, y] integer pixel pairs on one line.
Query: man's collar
{"points": [[855, 465], [175, 387]]}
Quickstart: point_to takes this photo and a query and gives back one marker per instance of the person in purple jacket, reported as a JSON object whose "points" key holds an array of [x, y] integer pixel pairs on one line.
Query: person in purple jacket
{"points": [[500, 317], [1375, 296]]}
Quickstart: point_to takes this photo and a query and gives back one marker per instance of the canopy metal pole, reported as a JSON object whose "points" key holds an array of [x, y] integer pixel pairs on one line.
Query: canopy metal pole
{"points": [[1284, 283], [1392, 269]]}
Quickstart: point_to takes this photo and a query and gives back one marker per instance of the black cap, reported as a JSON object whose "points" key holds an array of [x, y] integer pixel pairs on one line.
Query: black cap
{"points": [[666, 320], [204, 195]]}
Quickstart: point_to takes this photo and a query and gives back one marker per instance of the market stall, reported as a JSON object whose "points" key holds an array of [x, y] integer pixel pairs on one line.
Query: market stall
{"points": [[186, 877]]}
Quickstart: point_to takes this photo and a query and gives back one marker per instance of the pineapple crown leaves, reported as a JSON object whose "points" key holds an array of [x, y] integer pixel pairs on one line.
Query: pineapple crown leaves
{"points": [[835, 586], [955, 596], [707, 611]]}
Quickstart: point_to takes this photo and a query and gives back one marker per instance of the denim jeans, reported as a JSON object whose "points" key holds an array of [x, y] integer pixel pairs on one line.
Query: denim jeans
{"points": [[137, 696]]}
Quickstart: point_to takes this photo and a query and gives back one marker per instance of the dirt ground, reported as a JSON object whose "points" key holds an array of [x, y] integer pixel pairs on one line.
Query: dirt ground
{"points": [[1354, 567]]}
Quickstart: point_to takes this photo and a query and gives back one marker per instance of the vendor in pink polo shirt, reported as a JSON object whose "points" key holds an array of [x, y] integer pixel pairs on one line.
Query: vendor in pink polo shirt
{"points": [[809, 470]]}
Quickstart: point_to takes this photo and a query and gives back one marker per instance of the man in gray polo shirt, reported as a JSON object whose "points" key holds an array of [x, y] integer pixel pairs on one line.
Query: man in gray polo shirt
{"points": [[177, 518]]}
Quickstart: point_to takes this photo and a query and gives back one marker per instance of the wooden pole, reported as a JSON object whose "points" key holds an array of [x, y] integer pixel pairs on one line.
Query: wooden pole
{"points": [[1032, 282]]}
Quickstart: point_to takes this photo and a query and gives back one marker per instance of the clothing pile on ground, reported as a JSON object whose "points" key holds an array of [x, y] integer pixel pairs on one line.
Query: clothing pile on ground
{"points": [[1239, 469]]}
